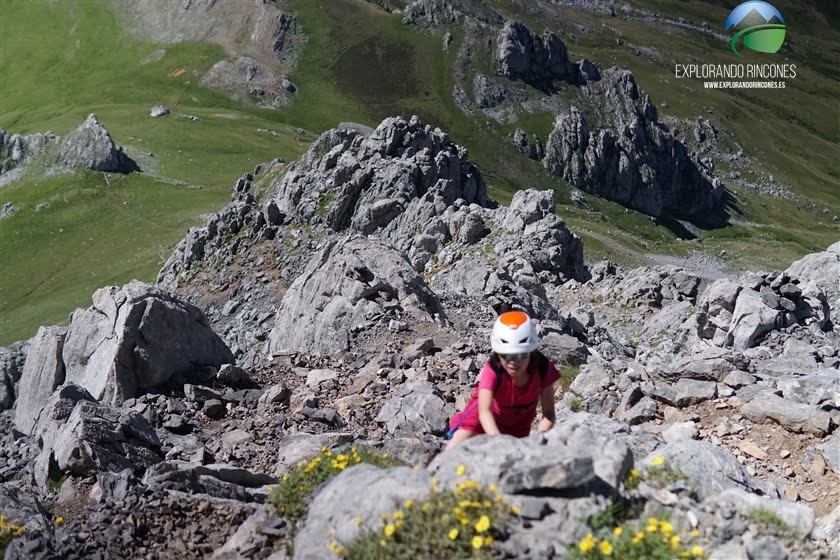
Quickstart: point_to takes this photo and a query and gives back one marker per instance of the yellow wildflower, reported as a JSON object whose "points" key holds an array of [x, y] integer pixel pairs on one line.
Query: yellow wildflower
{"points": [[666, 527], [637, 538], [426, 506], [453, 534], [59, 520], [357, 521], [516, 510], [493, 488], [409, 504], [605, 547], [383, 543], [488, 540], [697, 551], [460, 470], [483, 524], [587, 544], [694, 534], [617, 531], [477, 542], [675, 540], [658, 460], [399, 514], [389, 529]]}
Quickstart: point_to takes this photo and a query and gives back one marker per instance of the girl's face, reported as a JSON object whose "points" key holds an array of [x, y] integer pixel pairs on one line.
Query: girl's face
{"points": [[516, 365]]}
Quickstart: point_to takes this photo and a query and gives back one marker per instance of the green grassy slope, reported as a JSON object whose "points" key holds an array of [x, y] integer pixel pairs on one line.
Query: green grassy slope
{"points": [[60, 61]]}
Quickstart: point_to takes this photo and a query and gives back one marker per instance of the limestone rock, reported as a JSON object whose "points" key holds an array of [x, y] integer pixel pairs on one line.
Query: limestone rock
{"points": [[136, 337]]}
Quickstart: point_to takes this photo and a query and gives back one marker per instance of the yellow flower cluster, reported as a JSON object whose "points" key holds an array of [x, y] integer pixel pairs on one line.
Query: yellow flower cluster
{"points": [[656, 539], [461, 522], [9, 531]]}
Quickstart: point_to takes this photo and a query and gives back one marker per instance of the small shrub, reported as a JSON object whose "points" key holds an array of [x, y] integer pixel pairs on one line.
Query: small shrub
{"points": [[289, 496], [655, 541], [454, 524], [576, 404], [770, 521], [8, 532], [568, 373], [660, 475]]}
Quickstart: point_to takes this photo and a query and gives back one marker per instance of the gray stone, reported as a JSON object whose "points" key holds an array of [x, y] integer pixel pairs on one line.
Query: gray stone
{"points": [[230, 374], [339, 289], [137, 337], [43, 371], [418, 408], [711, 468], [362, 491], [693, 391], [680, 431], [751, 319], [554, 473], [792, 416]]}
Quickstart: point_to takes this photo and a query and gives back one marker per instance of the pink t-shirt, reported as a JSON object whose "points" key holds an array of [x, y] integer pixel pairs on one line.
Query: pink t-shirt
{"points": [[514, 408]]}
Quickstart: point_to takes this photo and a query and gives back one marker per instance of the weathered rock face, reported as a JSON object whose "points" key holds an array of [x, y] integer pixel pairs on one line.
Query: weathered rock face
{"points": [[136, 337], [349, 283], [626, 155], [43, 371], [740, 314], [535, 60], [90, 146], [397, 182], [12, 359]]}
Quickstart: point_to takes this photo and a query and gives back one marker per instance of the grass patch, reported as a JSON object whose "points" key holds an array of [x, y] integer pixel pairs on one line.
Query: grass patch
{"points": [[568, 373], [769, 521]]}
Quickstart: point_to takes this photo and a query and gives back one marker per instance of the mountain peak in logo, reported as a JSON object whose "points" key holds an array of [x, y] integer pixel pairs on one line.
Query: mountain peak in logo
{"points": [[758, 25]]}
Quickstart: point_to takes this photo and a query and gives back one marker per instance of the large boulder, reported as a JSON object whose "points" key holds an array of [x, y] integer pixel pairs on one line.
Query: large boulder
{"points": [[43, 371], [344, 287], [137, 337]]}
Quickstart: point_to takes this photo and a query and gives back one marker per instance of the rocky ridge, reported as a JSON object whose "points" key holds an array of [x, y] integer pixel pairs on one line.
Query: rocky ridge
{"points": [[90, 146], [353, 301]]}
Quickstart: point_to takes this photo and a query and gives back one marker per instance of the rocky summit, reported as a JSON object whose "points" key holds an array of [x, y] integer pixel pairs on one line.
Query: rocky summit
{"points": [[345, 301]]}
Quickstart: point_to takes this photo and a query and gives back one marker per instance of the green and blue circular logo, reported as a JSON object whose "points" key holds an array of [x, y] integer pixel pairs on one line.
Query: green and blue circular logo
{"points": [[758, 26]]}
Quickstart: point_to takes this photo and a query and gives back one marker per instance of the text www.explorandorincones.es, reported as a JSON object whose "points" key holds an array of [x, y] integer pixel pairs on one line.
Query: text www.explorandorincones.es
{"points": [[736, 85]]}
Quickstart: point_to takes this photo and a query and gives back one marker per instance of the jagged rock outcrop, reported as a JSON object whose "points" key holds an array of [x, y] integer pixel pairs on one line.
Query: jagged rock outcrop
{"points": [[348, 285], [536, 60], [137, 337], [400, 182], [90, 146], [624, 154]]}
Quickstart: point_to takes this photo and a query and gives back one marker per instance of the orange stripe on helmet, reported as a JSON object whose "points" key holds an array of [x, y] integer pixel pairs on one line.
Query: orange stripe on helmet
{"points": [[513, 319]]}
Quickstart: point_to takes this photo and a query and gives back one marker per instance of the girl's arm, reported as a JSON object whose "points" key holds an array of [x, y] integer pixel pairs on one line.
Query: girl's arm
{"points": [[485, 412], [547, 403]]}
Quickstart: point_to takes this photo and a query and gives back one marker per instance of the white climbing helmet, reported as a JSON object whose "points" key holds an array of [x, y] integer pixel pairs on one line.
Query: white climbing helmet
{"points": [[514, 333]]}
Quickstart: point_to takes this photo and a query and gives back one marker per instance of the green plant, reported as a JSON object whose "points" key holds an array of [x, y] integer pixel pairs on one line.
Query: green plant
{"points": [[568, 373], [55, 486], [770, 521], [289, 496], [614, 514], [8, 532], [660, 475], [460, 523], [655, 541], [576, 405]]}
